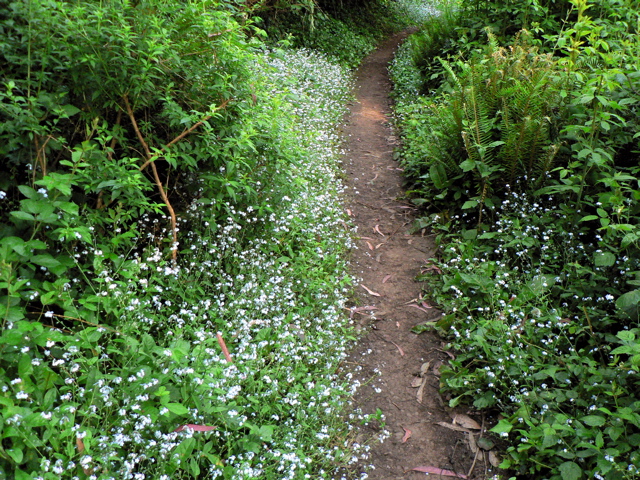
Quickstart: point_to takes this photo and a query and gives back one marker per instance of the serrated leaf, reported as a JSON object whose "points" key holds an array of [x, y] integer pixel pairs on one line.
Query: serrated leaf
{"points": [[604, 259], [503, 426], [570, 471]]}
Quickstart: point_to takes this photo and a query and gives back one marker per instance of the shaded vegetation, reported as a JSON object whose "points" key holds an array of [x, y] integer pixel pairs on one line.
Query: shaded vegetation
{"points": [[521, 143]]}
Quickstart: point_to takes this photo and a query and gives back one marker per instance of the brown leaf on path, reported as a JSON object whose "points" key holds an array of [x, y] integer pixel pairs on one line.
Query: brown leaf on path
{"points": [[465, 421], [370, 292], [424, 369], [438, 471], [473, 446], [407, 435], [398, 347], [419, 308], [380, 244], [416, 382], [349, 212], [451, 426], [359, 310], [494, 459], [386, 278], [377, 229], [370, 246], [420, 393], [425, 305], [197, 428]]}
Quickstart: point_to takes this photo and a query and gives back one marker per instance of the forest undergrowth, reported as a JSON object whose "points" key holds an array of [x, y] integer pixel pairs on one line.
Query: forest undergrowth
{"points": [[173, 248], [520, 133]]}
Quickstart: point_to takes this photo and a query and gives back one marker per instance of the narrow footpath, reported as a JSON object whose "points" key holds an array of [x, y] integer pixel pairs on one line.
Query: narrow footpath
{"points": [[400, 369]]}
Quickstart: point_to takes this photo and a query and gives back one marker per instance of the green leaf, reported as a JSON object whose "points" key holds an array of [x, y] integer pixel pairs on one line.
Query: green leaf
{"points": [[438, 175], [570, 471], [177, 408], [628, 303], [45, 260], [70, 110], [593, 420], [28, 191], [423, 327], [503, 426], [23, 216], [604, 259], [15, 454], [469, 204]]}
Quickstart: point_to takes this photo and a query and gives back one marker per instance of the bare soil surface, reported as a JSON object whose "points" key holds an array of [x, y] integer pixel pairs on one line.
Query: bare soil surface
{"points": [[389, 357]]}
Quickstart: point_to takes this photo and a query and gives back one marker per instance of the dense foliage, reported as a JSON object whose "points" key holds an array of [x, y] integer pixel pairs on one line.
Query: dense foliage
{"points": [[172, 250], [522, 146]]}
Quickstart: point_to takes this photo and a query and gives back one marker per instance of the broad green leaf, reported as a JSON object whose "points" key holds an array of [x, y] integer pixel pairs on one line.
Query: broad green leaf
{"points": [[594, 420], [177, 408], [570, 471], [28, 191], [604, 259], [438, 175], [503, 426]]}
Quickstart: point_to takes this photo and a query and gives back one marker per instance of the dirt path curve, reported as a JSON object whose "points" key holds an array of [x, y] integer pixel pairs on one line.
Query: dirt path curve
{"points": [[387, 260]]}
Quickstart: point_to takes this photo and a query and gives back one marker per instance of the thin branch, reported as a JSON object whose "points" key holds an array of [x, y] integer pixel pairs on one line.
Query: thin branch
{"points": [[181, 136], [156, 177]]}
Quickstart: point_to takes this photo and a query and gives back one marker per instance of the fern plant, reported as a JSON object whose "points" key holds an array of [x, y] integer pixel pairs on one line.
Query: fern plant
{"points": [[494, 126]]}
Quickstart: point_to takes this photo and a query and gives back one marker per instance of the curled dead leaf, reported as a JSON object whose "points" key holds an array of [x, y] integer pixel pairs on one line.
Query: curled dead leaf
{"points": [[420, 393], [465, 421], [370, 246], [196, 428], [407, 435], [416, 382], [386, 278], [494, 459], [451, 426], [371, 292], [439, 471]]}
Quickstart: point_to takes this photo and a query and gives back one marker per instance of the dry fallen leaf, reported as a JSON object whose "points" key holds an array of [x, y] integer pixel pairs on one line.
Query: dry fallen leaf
{"points": [[370, 246], [197, 428], [438, 471], [407, 435], [420, 393], [473, 446], [425, 368], [416, 382], [466, 421], [349, 212], [494, 459], [425, 305], [419, 308], [371, 292], [377, 229], [451, 426], [386, 278]]}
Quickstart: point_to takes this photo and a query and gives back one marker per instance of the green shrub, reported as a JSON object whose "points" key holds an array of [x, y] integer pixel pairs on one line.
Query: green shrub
{"points": [[496, 124]]}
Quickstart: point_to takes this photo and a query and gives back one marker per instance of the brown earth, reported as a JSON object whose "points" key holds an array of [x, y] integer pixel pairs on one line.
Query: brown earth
{"points": [[389, 357]]}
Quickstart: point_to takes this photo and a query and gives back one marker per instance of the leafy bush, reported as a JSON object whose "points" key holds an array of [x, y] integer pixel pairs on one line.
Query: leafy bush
{"points": [[540, 296], [496, 123], [540, 333], [128, 354]]}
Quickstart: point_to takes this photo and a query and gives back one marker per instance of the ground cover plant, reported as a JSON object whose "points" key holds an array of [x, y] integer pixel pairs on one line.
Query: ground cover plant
{"points": [[524, 156], [172, 250]]}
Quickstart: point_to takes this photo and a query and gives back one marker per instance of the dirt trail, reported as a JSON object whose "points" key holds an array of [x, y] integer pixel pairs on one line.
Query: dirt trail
{"points": [[388, 260]]}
